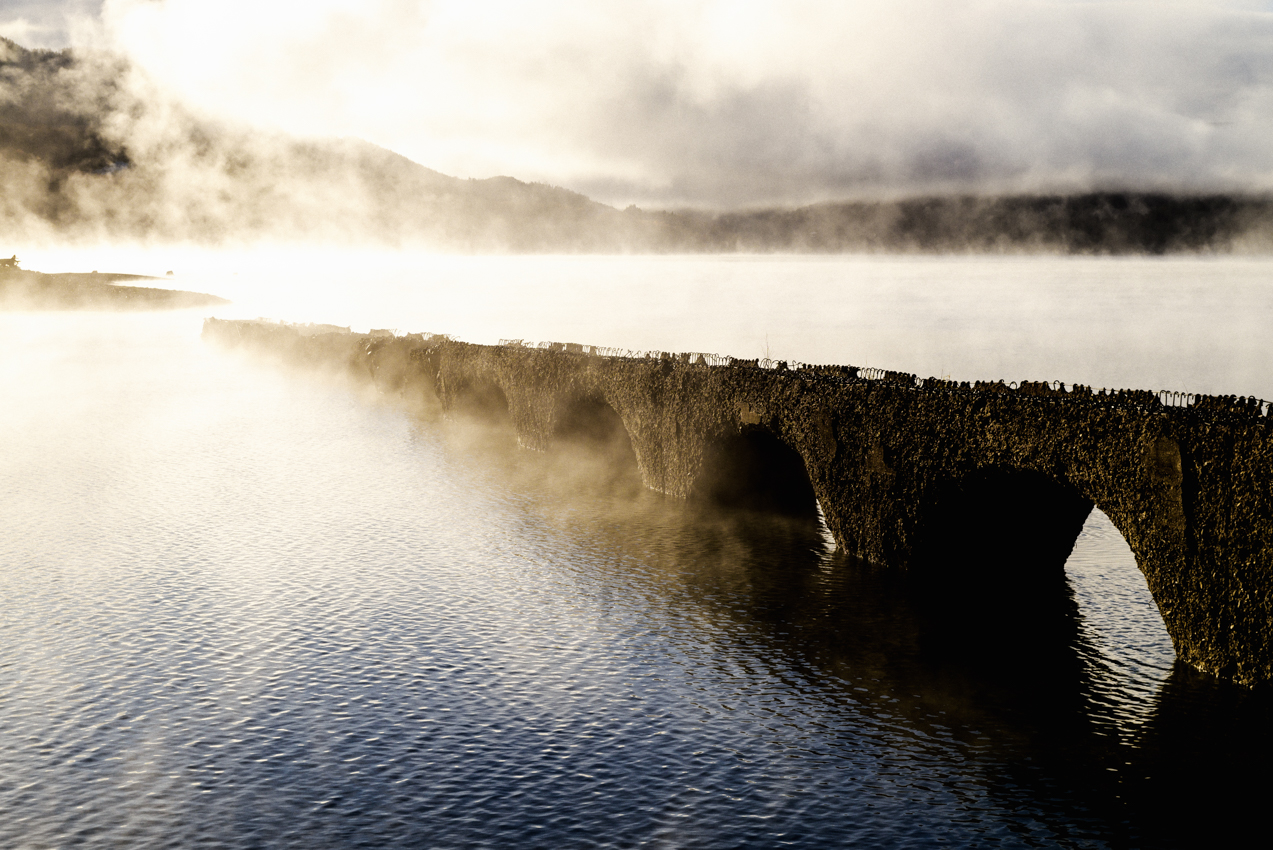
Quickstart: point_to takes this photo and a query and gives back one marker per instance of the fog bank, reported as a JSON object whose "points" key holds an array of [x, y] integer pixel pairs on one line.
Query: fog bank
{"points": [[721, 104]]}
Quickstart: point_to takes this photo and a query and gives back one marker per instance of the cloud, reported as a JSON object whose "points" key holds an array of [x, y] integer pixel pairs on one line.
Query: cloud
{"points": [[723, 103]]}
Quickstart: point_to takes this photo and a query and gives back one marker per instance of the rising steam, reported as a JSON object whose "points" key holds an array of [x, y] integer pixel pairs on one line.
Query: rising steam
{"points": [[213, 123], [721, 104]]}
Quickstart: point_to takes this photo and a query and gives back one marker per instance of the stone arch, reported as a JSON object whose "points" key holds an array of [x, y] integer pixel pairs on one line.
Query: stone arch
{"points": [[992, 548], [992, 557], [590, 424], [753, 469]]}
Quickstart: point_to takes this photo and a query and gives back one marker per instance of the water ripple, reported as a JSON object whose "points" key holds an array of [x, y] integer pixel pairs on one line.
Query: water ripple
{"points": [[243, 610]]}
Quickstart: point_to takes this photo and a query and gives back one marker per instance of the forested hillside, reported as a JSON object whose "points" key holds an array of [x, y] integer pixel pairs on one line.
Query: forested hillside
{"points": [[90, 150]]}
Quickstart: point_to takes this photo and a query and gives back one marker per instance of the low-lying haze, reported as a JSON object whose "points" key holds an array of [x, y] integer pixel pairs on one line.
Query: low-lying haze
{"points": [[726, 104]]}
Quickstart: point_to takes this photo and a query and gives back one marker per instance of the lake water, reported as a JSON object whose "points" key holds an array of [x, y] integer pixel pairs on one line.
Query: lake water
{"points": [[243, 608]]}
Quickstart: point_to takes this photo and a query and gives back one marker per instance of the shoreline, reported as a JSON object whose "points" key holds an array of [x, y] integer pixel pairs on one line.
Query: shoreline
{"points": [[22, 290]]}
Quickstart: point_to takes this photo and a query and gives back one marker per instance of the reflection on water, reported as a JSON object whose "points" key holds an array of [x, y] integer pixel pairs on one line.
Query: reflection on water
{"points": [[247, 610]]}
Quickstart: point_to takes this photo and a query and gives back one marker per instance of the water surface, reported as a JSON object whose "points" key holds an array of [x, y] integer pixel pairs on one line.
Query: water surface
{"points": [[244, 609]]}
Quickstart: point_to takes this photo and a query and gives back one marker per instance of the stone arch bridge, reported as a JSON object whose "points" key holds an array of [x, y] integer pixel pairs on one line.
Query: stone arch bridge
{"points": [[905, 472]]}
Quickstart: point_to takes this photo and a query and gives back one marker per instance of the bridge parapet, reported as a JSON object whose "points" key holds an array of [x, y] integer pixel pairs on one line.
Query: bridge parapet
{"points": [[919, 474], [1224, 405]]}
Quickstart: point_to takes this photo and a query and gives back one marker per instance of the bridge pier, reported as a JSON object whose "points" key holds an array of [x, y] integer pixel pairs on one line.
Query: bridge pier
{"points": [[905, 472]]}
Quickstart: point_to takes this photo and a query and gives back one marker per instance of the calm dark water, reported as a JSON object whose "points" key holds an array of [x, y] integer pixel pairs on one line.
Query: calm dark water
{"points": [[247, 610]]}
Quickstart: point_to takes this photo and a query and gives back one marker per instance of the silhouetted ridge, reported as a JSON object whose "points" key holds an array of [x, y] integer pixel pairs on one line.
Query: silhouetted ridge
{"points": [[1093, 223]]}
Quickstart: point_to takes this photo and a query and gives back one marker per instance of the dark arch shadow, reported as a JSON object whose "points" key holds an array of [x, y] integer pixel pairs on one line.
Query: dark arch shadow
{"points": [[483, 401], [479, 418], [1011, 527], [591, 425], [989, 565], [754, 470], [592, 447]]}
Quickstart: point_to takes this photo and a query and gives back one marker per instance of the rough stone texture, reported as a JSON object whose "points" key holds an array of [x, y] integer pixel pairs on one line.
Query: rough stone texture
{"points": [[1190, 488]]}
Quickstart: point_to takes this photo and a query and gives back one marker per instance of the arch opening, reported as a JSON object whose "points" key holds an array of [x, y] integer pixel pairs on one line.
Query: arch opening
{"points": [[590, 432], [483, 402], [754, 470], [394, 372], [1013, 528], [1016, 566], [988, 569]]}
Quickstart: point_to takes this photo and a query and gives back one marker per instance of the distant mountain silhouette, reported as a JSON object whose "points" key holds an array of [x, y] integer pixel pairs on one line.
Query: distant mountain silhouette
{"points": [[1093, 223], [83, 155]]}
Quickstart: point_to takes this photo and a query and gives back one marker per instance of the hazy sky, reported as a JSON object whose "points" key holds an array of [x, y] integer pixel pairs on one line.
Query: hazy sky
{"points": [[663, 103]]}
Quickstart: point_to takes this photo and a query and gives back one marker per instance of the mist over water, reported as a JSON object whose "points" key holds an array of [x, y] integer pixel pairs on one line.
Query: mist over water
{"points": [[1191, 324], [246, 608]]}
